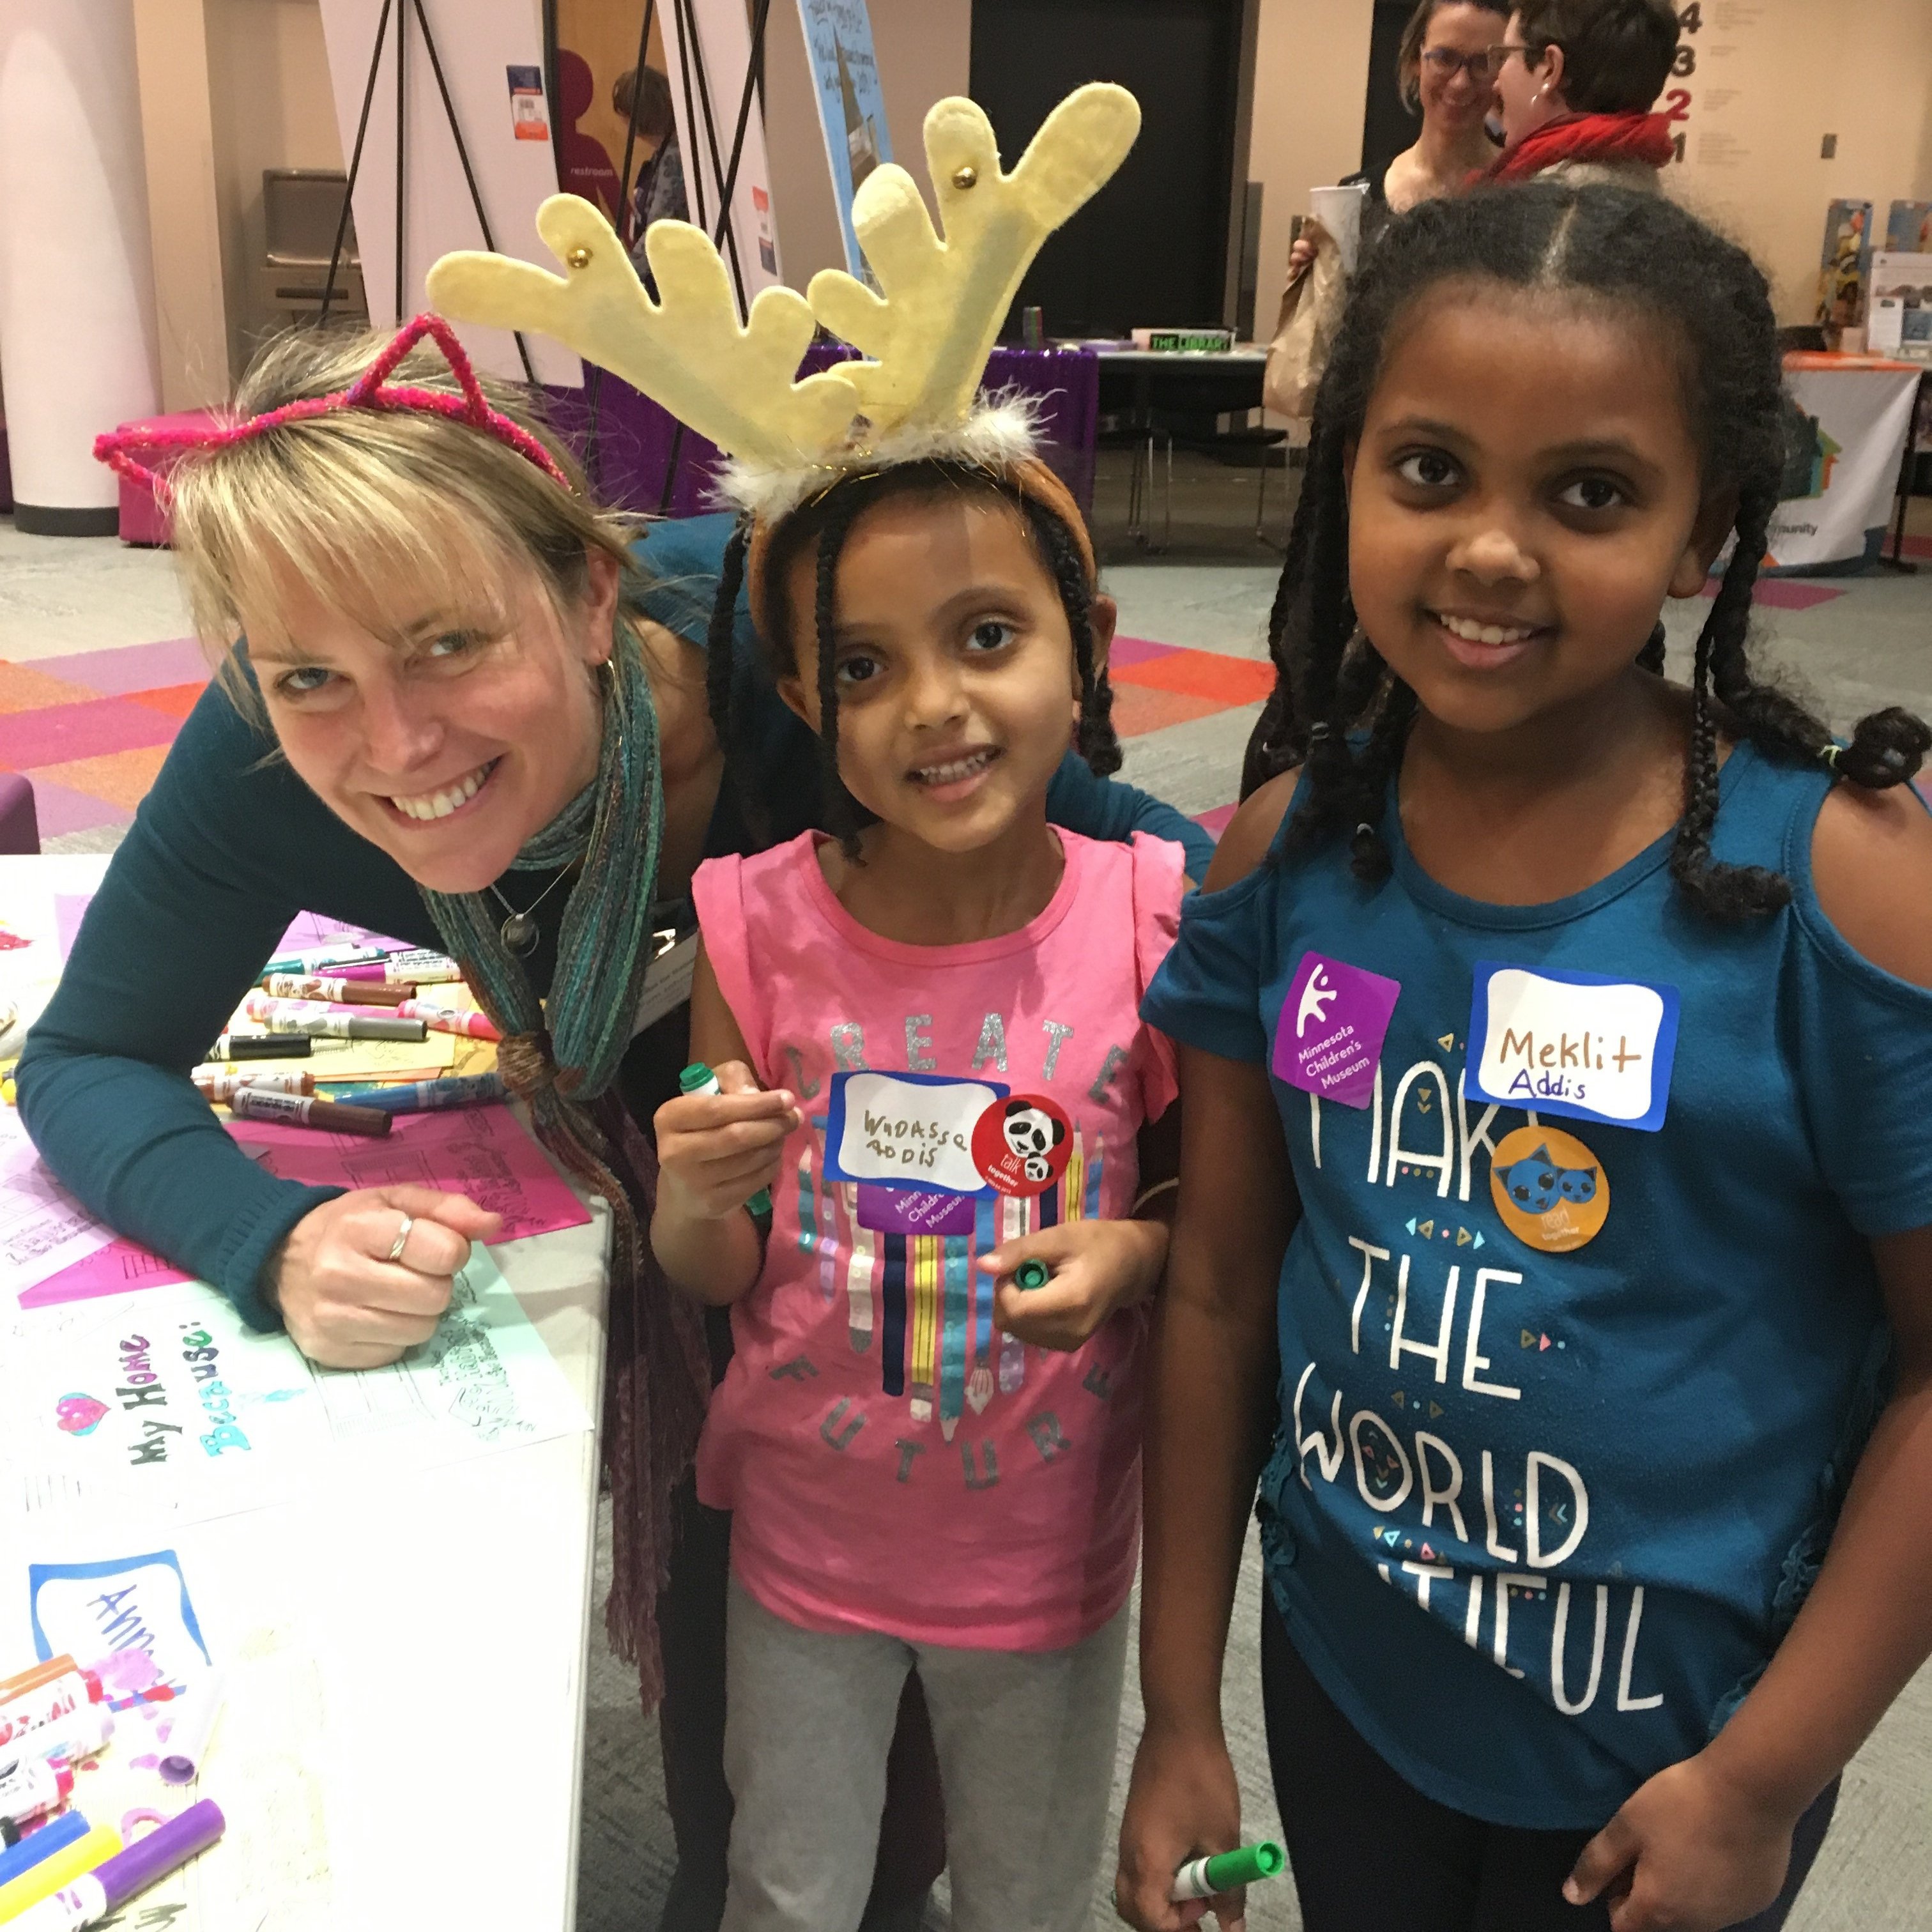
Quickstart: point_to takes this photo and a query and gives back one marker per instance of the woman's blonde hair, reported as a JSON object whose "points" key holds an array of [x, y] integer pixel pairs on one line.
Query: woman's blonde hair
{"points": [[353, 504]]}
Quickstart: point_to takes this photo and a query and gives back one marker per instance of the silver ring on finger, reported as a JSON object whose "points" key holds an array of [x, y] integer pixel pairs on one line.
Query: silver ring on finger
{"points": [[401, 1241]]}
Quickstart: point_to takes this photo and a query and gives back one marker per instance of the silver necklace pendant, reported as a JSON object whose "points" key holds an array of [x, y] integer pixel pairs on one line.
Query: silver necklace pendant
{"points": [[519, 933]]}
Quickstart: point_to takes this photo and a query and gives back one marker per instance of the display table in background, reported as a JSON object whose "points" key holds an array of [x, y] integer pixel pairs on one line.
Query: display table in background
{"points": [[635, 435], [1849, 418]]}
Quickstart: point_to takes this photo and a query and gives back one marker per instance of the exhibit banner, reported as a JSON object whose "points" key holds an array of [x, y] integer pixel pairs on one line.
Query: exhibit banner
{"points": [[851, 104], [490, 55], [1848, 418]]}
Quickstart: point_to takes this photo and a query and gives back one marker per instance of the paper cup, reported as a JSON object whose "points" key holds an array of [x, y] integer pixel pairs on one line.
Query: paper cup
{"points": [[1339, 211]]}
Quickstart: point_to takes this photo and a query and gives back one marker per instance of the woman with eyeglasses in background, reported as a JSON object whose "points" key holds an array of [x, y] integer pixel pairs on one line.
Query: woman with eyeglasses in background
{"points": [[1575, 81], [1446, 65]]}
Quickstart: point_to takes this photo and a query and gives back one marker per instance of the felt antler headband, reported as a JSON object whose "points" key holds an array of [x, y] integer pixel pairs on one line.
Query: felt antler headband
{"points": [[924, 337]]}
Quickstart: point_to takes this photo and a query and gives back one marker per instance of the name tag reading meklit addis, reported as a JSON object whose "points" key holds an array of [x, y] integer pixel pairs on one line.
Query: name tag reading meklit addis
{"points": [[1573, 1043]]}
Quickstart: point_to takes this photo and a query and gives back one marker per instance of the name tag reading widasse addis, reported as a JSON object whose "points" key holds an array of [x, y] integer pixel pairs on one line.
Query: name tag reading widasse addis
{"points": [[1573, 1043]]}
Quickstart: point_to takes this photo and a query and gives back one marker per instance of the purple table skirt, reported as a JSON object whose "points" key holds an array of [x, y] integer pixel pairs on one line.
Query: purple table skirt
{"points": [[635, 434]]}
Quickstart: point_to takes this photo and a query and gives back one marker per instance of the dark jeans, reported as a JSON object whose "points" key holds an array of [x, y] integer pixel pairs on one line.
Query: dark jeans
{"points": [[1371, 1854], [691, 1730]]}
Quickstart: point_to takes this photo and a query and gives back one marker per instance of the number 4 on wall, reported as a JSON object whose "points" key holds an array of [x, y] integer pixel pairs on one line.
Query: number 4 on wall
{"points": [[1692, 18]]}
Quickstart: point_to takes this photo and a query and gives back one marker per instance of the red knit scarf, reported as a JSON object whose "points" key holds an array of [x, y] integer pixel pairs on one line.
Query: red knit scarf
{"points": [[1595, 138]]}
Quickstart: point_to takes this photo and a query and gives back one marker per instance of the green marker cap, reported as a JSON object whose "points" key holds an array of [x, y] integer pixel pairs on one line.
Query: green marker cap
{"points": [[1034, 1273], [1245, 1866], [699, 1079]]}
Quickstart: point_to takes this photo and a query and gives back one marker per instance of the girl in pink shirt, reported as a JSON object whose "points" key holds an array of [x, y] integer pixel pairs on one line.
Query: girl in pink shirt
{"points": [[927, 1035]]}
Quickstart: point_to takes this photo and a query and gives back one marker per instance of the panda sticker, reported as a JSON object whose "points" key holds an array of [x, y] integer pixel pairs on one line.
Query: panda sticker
{"points": [[1021, 1144]]}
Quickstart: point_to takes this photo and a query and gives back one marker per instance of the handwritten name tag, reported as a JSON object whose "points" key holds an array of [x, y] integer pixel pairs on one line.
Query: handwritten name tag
{"points": [[909, 1129], [1573, 1043]]}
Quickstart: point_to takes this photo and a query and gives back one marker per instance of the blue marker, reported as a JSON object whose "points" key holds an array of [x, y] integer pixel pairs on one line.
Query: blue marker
{"points": [[70, 1828], [428, 1096]]}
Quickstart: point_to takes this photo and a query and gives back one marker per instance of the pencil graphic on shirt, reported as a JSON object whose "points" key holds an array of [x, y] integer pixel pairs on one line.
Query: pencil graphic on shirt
{"points": [[924, 1365], [958, 1262], [893, 1310], [828, 1240], [808, 1216], [1074, 1180], [1012, 1354], [1095, 1168], [985, 1239], [864, 1245]]}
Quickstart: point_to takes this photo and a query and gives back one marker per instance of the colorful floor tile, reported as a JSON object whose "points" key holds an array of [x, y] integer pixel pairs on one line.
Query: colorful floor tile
{"points": [[134, 667]]}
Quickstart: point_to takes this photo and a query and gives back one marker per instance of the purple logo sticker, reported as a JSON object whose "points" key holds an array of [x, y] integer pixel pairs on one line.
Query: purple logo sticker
{"points": [[1329, 1038], [914, 1210]]}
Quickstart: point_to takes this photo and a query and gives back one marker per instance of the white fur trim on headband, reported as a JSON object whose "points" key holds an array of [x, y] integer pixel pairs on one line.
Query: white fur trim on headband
{"points": [[1002, 433]]}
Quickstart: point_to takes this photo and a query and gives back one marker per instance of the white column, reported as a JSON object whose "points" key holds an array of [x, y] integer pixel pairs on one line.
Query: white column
{"points": [[76, 276]]}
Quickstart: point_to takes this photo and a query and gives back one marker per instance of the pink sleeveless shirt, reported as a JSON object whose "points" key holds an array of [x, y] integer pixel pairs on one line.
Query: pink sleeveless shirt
{"points": [[893, 1462]]}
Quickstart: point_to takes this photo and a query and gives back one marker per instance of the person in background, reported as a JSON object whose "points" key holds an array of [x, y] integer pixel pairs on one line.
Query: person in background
{"points": [[1446, 66], [658, 193], [1575, 83]]}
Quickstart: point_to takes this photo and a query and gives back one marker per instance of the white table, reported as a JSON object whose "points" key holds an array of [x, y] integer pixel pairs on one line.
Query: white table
{"points": [[448, 1617]]}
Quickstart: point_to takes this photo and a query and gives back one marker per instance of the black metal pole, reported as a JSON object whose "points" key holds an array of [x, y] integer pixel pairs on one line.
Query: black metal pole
{"points": [[724, 229], [631, 133], [469, 173], [354, 166], [694, 175]]}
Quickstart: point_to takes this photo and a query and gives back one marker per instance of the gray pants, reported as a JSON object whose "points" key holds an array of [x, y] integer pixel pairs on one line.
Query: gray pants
{"points": [[1026, 1746]]}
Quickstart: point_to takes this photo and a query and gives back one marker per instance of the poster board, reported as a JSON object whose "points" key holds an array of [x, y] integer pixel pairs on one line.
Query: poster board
{"points": [[1901, 307], [1849, 416], [492, 55], [851, 104]]}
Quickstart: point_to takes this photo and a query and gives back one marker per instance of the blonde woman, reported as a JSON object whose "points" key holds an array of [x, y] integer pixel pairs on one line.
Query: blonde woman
{"points": [[458, 704]]}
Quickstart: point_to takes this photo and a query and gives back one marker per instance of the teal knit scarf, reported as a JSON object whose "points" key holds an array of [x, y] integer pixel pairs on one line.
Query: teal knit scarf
{"points": [[561, 1057]]}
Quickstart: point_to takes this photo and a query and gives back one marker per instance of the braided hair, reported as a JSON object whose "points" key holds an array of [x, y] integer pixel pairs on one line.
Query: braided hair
{"points": [[1337, 710], [828, 519]]}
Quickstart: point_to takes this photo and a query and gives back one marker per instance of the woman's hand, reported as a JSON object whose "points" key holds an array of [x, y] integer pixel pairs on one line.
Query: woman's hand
{"points": [[1690, 1851], [345, 1303], [1184, 1802], [715, 1150], [1099, 1268], [1301, 256]]}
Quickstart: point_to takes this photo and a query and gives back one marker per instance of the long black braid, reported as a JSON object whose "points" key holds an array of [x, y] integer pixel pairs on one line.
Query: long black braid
{"points": [[828, 518], [1338, 711]]}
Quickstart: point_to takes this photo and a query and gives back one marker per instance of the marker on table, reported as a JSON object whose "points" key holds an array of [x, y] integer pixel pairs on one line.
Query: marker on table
{"points": [[428, 1096], [344, 992], [1034, 1274], [699, 1079], [109, 1885], [450, 1019], [300, 1110], [213, 1085], [46, 1702], [55, 1835], [11, 1687], [73, 1738], [1207, 1878], [426, 968], [312, 961], [284, 1017], [29, 1786], [187, 1738], [233, 1046]]}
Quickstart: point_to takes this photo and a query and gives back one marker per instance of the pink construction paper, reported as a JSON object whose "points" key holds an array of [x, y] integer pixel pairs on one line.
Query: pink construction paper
{"points": [[114, 1270], [311, 930], [482, 1152], [69, 909]]}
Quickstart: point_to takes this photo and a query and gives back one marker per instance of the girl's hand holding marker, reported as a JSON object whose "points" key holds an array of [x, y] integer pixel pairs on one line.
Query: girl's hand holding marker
{"points": [[719, 1147], [1060, 1286]]}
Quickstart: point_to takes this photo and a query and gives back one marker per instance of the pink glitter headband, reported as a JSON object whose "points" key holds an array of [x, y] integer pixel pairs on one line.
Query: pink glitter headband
{"points": [[366, 392]]}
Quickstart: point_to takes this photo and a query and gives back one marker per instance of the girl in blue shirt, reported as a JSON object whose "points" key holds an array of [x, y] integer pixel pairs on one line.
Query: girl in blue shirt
{"points": [[1556, 1226]]}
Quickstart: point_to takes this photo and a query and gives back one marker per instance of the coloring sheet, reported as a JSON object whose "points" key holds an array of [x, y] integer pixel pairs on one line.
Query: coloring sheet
{"points": [[164, 1407]]}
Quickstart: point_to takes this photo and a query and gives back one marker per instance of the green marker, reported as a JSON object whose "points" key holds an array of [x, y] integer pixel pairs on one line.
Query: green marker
{"points": [[1033, 1274], [699, 1079], [1208, 1878]]}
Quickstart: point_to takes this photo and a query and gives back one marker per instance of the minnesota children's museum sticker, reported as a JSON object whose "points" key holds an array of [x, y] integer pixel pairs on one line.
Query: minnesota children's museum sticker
{"points": [[1329, 1038]]}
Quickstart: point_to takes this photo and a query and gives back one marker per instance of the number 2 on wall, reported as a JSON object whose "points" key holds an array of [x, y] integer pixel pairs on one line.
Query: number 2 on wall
{"points": [[1678, 101]]}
